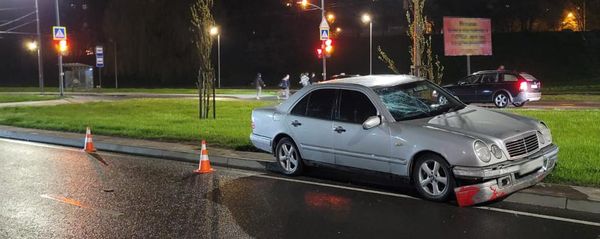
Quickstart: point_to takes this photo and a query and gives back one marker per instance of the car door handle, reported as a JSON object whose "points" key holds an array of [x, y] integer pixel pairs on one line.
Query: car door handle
{"points": [[339, 129], [295, 123]]}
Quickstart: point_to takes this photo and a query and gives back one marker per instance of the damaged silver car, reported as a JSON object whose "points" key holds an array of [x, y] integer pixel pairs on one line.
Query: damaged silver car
{"points": [[409, 127]]}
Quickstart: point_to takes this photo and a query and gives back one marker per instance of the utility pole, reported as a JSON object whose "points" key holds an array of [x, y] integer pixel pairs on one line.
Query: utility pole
{"points": [[39, 49], [219, 59], [60, 63], [116, 67], [371, 48], [324, 56]]}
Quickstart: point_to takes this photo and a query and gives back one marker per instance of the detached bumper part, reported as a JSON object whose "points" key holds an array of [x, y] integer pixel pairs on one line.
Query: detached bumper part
{"points": [[527, 96], [510, 179]]}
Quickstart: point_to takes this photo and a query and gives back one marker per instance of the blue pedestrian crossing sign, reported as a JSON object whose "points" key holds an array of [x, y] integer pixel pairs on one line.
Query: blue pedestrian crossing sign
{"points": [[324, 34], [59, 33]]}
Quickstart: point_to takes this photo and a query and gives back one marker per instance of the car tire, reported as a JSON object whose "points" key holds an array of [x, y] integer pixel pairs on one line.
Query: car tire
{"points": [[518, 104], [501, 100], [429, 173], [288, 157]]}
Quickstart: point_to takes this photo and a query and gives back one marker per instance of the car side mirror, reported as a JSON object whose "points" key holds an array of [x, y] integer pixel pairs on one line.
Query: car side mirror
{"points": [[372, 122], [462, 83]]}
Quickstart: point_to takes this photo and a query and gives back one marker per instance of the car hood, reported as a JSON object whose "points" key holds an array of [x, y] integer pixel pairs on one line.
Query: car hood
{"points": [[480, 122]]}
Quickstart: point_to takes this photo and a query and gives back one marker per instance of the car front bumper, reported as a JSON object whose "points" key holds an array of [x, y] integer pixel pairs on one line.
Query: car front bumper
{"points": [[506, 178]]}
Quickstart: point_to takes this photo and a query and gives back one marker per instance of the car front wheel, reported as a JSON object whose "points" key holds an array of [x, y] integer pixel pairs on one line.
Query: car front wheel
{"points": [[501, 100], [432, 178], [288, 157]]}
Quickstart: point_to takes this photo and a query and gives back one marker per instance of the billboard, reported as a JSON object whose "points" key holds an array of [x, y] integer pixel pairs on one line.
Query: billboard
{"points": [[467, 36]]}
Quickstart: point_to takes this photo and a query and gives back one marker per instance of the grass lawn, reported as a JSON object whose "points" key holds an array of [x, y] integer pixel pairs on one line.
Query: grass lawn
{"points": [[163, 119], [577, 132], [571, 97], [22, 98], [144, 90], [572, 89]]}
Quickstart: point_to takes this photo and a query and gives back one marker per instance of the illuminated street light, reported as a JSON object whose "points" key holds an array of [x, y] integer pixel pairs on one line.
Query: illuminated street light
{"points": [[366, 18], [338, 30], [63, 47], [214, 31], [330, 17], [32, 46]]}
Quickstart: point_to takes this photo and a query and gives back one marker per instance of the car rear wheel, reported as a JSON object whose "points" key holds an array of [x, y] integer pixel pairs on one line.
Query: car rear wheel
{"points": [[519, 104], [432, 178], [501, 100], [288, 157]]}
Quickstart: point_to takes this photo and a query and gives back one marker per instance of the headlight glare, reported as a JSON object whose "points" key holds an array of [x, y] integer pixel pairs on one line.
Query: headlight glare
{"points": [[481, 151], [496, 151]]}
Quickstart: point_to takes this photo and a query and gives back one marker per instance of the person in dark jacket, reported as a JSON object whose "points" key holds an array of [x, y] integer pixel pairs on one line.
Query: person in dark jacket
{"points": [[259, 83]]}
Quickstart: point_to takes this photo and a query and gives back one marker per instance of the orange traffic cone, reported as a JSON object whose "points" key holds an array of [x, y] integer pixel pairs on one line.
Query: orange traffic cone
{"points": [[204, 165], [89, 143]]}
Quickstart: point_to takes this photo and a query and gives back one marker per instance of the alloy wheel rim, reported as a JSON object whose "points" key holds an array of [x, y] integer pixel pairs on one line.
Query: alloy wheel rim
{"points": [[288, 157], [501, 100], [433, 178]]}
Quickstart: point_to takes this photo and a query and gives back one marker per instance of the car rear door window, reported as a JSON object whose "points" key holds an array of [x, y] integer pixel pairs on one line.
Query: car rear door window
{"points": [[320, 104], [509, 78], [472, 79], [300, 108], [355, 107]]}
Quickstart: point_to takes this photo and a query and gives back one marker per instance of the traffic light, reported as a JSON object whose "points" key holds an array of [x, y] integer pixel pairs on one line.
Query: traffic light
{"points": [[319, 53], [328, 47], [62, 47]]}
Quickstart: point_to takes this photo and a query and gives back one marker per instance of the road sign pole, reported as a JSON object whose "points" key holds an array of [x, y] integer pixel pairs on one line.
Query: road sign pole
{"points": [[371, 48], [39, 49], [324, 55], [468, 64], [116, 68], [60, 60]]}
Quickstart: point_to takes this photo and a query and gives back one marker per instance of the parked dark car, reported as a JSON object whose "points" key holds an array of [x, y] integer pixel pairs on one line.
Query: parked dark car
{"points": [[499, 87]]}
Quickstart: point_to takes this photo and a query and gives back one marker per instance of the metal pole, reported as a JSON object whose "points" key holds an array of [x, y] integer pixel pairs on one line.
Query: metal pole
{"points": [[60, 60], [219, 59], [100, 77], [116, 67], [371, 48], [39, 49], [468, 65], [584, 15], [324, 54]]}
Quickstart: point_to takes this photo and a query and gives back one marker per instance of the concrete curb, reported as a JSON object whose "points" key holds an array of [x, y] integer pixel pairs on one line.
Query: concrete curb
{"points": [[192, 157], [544, 195]]}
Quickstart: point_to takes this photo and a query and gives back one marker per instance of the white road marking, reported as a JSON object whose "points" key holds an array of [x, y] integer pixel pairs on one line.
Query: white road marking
{"points": [[555, 218], [43, 145]]}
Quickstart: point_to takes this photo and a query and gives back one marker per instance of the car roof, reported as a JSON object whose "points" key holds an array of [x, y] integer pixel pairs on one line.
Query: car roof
{"points": [[374, 81], [495, 71]]}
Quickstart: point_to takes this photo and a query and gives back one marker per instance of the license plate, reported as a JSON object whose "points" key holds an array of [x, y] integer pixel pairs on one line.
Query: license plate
{"points": [[531, 165], [533, 86]]}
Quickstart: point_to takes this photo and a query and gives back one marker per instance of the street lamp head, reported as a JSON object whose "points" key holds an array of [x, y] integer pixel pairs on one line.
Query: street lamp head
{"points": [[32, 45], [214, 31], [338, 29], [366, 18], [330, 17], [304, 3]]}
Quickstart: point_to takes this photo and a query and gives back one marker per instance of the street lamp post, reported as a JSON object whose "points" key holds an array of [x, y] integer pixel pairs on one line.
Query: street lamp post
{"points": [[39, 49], [215, 31], [60, 63], [366, 18]]}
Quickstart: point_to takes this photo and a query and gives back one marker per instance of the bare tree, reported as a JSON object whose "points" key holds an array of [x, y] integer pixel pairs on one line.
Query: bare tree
{"points": [[202, 21], [423, 61]]}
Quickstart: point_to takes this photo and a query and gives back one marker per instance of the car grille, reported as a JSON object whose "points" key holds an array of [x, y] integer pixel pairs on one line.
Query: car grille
{"points": [[522, 146]]}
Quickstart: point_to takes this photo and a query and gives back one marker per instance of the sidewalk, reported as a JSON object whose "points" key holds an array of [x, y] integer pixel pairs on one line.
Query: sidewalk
{"points": [[574, 198]]}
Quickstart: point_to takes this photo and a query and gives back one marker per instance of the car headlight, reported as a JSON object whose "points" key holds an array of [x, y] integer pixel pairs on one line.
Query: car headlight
{"points": [[496, 151], [482, 151], [545, 131]]}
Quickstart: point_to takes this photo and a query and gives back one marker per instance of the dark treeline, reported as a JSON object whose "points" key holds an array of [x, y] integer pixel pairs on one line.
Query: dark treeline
{"points": [[155, 45]]}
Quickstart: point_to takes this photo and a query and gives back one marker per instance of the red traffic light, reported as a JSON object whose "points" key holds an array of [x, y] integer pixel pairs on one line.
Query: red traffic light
{"points": [[319, 53]]}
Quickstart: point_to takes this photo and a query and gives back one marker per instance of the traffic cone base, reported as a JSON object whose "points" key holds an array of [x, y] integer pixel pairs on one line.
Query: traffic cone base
{"points": [[89, 143], [204, 164]]}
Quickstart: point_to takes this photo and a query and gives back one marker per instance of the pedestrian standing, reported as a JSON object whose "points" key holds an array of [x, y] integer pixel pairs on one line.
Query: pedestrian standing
{"points": [[259, 84], [284, 87], [304, 80], [313, 78]]}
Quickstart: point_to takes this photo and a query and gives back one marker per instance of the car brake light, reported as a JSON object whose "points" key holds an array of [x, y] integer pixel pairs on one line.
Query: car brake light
{"points": [[523, 86]]}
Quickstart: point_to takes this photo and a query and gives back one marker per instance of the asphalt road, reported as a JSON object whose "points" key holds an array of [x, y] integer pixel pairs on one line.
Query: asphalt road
{"points": [[56, 192]]}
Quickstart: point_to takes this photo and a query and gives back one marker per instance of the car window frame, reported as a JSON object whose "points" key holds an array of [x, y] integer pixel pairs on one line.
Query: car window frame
{"points": [[338, 105]]}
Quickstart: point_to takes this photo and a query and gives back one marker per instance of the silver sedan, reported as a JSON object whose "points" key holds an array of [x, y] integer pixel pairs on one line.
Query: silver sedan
{"points": [[409, 127]]}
